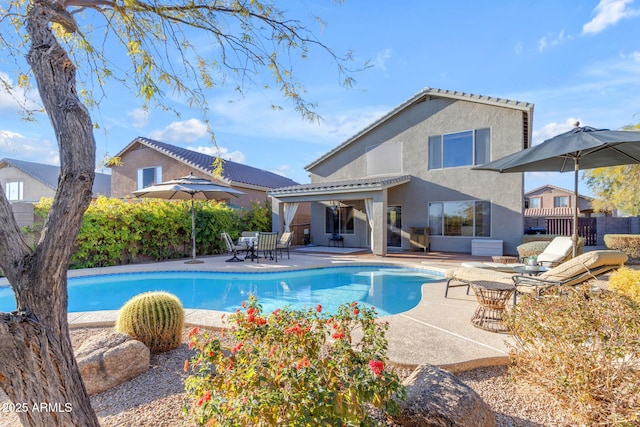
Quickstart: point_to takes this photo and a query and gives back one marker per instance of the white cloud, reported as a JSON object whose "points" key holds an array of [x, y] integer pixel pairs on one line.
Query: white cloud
{"points": [[222, 152], [15, 98], [252, 117], [139, 117], [518, 48], [181, 132], [284, 170], [608, 13], [15, 145], [551, 41], [552, 129], [381, 59]]}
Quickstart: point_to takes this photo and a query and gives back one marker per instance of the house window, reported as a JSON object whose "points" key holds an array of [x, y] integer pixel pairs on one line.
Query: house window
{"points": [[459, 149], [149, 176], [468, 218], [384, 159], [339, 220], [13, 191], [534, 203], [561, 202]]}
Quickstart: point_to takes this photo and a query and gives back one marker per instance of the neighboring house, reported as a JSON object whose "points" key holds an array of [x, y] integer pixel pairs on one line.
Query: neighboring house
{"points": [[146, 162], [25, 183], [28, 182], [552, 201], [412, 168]]}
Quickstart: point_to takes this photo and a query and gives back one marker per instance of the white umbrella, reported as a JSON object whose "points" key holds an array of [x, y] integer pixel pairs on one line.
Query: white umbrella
{"points": [[580, 148], [189, 188]]}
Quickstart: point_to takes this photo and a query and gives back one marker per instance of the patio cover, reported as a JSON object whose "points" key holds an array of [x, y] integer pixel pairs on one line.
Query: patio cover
{"points": [[372, 190]]}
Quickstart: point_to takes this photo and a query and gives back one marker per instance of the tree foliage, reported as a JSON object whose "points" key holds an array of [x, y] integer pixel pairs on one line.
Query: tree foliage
{"points": [[74, 49], [616, 187]]}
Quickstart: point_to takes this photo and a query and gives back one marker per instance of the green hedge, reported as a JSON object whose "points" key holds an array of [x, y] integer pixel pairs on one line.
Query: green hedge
{"points": [[116, 231]]}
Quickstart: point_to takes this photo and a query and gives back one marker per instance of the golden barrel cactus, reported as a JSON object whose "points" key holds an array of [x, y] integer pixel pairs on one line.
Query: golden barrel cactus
{"points": [[154, 318]]}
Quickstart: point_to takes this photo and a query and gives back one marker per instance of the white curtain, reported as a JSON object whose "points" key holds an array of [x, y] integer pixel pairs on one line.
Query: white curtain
{"points": [[368, 207], [289, 212]]}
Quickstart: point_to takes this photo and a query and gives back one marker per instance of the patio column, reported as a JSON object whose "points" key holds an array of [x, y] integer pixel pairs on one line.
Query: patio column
{"points": [[277, 215], [379, 215]]}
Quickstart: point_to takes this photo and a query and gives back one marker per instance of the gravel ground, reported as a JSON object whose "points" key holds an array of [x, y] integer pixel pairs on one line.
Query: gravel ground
{"points": [[156, 397]]}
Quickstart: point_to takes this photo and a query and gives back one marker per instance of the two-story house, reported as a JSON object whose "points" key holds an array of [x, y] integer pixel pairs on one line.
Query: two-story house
{"points": [[552, 201], [411, 169]]}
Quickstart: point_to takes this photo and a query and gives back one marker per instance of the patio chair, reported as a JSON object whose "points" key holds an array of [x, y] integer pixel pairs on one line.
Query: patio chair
{"points": [[267, 243], [284, 242], [232, 247], [570, 273]]}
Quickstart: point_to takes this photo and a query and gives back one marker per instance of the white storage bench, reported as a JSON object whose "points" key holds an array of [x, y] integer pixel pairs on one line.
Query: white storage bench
{"points": [[486, 247]]}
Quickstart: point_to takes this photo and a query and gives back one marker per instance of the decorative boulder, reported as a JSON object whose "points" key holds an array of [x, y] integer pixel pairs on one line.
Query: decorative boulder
{"points": [[111, 358], [438, 398]]}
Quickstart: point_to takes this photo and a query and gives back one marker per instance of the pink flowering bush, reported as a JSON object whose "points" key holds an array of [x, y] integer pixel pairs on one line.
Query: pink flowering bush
{"points": [[293, 368]]}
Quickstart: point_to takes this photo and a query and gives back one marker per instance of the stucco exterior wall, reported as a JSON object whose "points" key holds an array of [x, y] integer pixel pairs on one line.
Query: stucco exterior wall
{"points": [[124, 178], [412, 127], [32, 189]]}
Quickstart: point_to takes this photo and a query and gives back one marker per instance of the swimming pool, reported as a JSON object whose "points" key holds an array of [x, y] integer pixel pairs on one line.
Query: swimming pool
{"points": [[390, 289]]}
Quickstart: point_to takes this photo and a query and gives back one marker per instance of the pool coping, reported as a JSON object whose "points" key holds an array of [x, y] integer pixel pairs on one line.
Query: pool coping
{"points": [[437, 331]]}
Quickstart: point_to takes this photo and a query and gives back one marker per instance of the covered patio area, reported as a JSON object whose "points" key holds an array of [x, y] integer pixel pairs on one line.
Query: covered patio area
{"points": [[355, 210]]}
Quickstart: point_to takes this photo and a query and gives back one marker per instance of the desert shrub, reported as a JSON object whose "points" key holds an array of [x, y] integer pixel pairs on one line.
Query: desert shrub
{"points": [[585, 349], [627, 243], [626, 281], [154, 318], [526, 250], [293, 368]]}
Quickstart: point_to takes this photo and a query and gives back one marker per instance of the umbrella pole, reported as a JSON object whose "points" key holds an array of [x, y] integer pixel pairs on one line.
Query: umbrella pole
{"points": [[574, 237], [193, 231], [193, 237]]}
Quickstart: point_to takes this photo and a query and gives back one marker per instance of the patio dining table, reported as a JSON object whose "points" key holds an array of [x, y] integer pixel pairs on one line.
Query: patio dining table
{"points": [[251, 243]]}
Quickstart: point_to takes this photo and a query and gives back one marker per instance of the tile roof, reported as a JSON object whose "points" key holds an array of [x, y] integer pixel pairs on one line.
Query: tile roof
{"points": [[347, 186], [235, 172], [48, 175]]}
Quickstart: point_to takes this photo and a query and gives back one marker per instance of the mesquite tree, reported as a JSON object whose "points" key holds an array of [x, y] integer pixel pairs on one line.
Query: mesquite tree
{"points": [[250, 37]]}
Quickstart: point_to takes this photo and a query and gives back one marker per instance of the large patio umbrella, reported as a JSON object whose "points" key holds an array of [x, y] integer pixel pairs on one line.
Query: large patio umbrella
{"points": [[189, 188], [580, 148]]}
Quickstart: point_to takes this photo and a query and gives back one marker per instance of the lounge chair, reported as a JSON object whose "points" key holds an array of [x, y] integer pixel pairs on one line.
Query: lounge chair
{"points": [[560, 249], [267, 243], [284, 242], [568, 274], [232, 247]]}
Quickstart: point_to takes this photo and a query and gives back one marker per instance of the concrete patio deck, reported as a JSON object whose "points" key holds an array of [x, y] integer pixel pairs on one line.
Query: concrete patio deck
{"points": [[436, 331]]}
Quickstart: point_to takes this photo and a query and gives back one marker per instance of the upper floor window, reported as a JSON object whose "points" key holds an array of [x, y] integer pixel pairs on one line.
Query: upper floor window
{"points": [[13, 191], [466, 148], [533, 203], [384, 159], [149, 176], [466, 218], [561, 202]]}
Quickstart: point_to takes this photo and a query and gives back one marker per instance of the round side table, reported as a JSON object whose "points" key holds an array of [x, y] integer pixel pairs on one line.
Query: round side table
{"points": [[492, 299]]}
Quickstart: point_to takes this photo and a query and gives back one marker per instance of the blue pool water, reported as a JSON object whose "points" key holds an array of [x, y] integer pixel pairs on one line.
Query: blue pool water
{"points": [[391, 290]]}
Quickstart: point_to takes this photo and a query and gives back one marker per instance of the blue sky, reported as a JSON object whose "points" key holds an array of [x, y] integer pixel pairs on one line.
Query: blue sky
{"points": [[574, 60]]}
